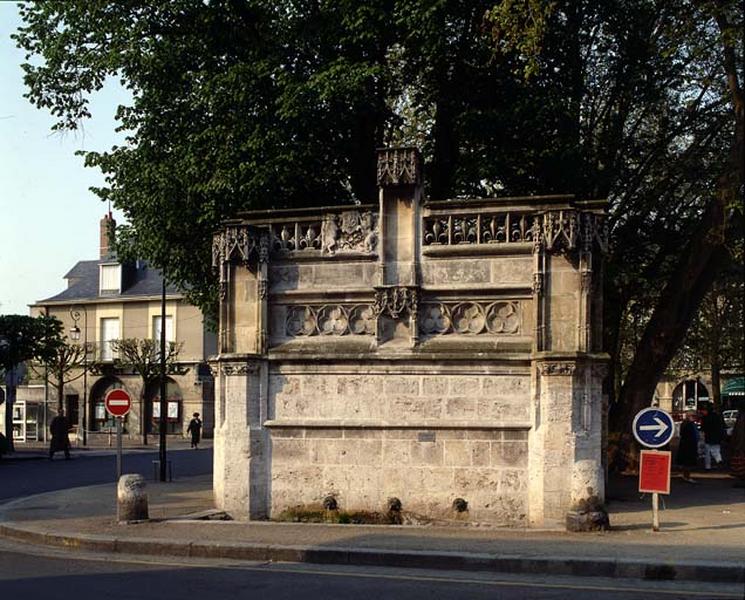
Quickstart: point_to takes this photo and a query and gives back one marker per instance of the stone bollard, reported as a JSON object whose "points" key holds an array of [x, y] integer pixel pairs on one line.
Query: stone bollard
{"points": [[131, 499]]}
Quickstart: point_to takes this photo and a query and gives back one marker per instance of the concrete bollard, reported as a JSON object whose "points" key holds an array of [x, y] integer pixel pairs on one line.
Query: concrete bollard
{"points": [[131, 499]]}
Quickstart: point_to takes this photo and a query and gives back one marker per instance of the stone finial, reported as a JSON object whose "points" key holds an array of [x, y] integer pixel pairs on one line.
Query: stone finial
{"points": [[399, 166]]}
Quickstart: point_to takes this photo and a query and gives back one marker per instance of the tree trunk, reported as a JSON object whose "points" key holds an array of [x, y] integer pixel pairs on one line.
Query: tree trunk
{"points": [[10, 397], [442, 172], [363, 161], [143, 416], [680, 299], [699, 262], [60, 396], [716, 389]]}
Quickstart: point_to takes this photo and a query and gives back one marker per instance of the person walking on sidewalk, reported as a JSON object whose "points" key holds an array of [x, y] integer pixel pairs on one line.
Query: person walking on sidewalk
{"points": [[688, 447], [59, 428], [714, 431], [195, 428]]}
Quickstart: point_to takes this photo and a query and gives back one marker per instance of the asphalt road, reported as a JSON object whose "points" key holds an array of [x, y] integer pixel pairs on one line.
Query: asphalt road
{"points": [[19, 478], [59, 576]]}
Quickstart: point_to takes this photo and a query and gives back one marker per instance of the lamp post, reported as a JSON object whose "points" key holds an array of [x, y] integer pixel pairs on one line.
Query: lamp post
{"points": [[75, 336], [163, 399]]}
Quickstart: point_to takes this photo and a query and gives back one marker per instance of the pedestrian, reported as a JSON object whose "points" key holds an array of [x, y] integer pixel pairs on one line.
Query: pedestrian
{"points": [[687, 457], [714, 431], [60, 428], [195, 428], [737, 449]]}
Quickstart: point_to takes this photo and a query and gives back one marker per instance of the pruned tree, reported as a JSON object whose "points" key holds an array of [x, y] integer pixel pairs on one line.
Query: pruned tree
{"points": [[142, 356], [64, 366]]}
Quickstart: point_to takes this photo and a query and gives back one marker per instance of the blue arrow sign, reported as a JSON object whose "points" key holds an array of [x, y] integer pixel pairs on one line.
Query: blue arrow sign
{"points": [[653, 427]]}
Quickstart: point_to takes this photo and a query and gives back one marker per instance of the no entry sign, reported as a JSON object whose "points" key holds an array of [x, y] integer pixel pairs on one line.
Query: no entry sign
{"points": [[117, 403], [654, 471]]}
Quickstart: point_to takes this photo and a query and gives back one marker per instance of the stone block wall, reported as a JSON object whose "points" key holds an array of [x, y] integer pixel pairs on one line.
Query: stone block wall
{"points": [[421, 350]]}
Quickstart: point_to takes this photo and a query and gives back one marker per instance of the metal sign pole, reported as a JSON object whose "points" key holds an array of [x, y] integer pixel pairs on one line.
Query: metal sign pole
{"points": [[118, 448], [655, 512]]}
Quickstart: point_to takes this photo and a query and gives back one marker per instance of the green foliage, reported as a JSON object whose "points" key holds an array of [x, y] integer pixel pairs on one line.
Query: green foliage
{"points": [[25, 338], [248, 104]]}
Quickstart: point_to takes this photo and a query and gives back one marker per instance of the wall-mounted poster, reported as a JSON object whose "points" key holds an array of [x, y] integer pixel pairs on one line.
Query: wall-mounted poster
{"points": [[100, 412], [156, 409], [173, 410]]}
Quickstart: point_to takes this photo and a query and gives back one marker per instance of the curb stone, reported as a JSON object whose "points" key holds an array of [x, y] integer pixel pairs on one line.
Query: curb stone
{"points": [[715, 572]]}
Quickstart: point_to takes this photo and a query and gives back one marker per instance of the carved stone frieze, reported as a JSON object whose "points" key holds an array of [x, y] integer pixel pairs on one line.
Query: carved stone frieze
{"points": [[349, 231], [293, 237], [399, 166], [495, 318], [395, 301], [557, 368], [485, 228], [330, 319], [239, 368]]}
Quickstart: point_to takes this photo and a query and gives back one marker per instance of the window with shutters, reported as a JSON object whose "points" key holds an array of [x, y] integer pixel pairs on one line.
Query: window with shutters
{"points": [[109, 332], [111, 279]]}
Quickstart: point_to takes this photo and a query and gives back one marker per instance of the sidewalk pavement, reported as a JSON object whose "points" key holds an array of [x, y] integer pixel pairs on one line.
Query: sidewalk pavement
{"points": [[40, 450], [702, 534]]}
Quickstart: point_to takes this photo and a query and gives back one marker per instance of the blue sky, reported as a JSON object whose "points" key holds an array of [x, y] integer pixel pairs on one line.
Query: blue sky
{"points": [[48, 217]]}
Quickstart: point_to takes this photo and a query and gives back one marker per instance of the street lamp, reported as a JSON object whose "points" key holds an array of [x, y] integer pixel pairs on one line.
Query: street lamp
{"points": [[75, 336]]}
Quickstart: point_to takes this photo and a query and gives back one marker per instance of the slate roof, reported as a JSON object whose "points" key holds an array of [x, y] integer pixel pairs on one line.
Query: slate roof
{"points": [[83, 283]]}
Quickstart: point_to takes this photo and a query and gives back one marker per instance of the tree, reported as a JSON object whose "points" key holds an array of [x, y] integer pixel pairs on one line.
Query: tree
{"points": [[242, 104], [64, 366], [236, 105], [143, 357], [24, 339], [657, 100]]}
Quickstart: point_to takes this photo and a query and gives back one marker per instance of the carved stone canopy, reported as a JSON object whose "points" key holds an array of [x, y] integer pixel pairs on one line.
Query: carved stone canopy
{"points": [[395, 301], [399, 166], [565, 231], [240, 243]]}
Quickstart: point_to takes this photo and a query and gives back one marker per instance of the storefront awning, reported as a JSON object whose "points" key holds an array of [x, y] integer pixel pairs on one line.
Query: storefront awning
{"points": [[734, 387]]}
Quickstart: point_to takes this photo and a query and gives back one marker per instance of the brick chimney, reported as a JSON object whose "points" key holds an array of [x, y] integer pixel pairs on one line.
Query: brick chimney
{"points": [[107, 225]]}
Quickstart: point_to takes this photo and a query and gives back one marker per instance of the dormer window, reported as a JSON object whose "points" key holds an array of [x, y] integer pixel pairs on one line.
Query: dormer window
{"points": [[111, 279]]}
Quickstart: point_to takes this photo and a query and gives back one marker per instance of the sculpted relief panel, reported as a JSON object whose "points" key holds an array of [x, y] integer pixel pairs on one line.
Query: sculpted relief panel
{"points": [[330, 319], [470, 318], [351, 231]]}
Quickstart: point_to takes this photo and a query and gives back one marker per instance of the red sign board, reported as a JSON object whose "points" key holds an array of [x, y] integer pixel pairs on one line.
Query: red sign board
{"points": [[654, 471], [117, 403]]}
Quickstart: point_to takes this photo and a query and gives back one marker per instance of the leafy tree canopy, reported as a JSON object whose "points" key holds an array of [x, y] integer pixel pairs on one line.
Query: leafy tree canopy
{"points": [[242, 104]]}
